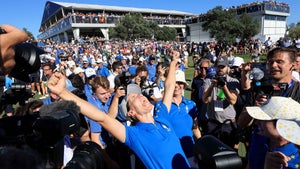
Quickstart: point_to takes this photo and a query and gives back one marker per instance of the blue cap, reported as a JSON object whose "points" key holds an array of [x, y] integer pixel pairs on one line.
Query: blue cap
{"points": [[119, 57], [132, 70], [211, 72]]}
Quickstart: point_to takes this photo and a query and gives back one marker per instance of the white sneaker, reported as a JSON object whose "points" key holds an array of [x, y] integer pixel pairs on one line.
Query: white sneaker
{"points": [[43, 97]]}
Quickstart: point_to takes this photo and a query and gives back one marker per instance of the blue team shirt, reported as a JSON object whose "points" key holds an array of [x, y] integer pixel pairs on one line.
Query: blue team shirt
{"points": [[95, 127], [103, 71], [151, 72], [181, 117], [156, 144], [88, 91]]}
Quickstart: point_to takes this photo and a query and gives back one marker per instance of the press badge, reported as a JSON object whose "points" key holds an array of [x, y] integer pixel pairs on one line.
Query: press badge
{"points": [[218, 105]]}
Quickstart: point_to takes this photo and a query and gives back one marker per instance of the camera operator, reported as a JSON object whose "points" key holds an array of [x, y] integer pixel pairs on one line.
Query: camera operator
{"points": [[280, 63], [220, 94]]}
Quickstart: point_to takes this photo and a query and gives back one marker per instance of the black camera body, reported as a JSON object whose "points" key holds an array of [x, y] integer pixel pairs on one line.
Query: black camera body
{"points": [[27, 60], [221, 80], [262, 82], [211, 153], [87, 155], [123, 80], [147, 87], [17, 93]]}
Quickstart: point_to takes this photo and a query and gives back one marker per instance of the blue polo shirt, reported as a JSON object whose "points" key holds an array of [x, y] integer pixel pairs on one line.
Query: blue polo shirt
{"points": [[103, 71], [95, 127], [151, 72], [181, 117], [88, 90], [156, 144], [259, 149]]}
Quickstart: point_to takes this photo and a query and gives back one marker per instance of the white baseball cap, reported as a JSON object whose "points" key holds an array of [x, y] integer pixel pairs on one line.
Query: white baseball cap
{"points": [[77, 70], [180, 76], [237, 61], [89, 72]]}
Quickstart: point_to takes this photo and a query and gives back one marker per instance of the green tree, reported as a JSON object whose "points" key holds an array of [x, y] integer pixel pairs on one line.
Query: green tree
{"points": [[226, 26], [30, 35], [221, 25], [166, 33], [134, 26], [249, 27], [294, 32]]}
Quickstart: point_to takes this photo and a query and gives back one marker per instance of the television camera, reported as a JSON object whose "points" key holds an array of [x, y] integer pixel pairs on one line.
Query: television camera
{"points": [[262, 83]]}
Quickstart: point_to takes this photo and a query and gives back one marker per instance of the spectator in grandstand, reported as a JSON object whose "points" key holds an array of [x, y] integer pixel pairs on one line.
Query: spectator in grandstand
{"points": [[138, 137], [221, 94]]}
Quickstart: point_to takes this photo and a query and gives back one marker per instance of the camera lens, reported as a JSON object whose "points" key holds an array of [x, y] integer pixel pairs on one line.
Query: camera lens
{"points": [[27, 61]]}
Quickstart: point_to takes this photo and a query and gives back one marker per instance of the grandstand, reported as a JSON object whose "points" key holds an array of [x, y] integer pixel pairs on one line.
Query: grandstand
{"points": [[63, 21]]}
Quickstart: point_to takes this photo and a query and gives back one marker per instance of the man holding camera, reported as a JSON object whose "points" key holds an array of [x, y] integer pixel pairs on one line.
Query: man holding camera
{"points": [[281, 62], [220, 93]]}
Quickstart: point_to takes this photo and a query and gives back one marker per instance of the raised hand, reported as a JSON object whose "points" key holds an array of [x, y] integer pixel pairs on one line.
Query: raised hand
{"points": [[10, 37]]}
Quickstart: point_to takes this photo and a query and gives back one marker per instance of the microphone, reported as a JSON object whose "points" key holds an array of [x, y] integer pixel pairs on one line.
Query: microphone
{"points": [[47, 109], [256, 74], [61, 118]]}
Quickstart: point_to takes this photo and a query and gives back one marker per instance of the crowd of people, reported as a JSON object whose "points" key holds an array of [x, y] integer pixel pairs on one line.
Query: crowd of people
{"points": [[132, 96]]}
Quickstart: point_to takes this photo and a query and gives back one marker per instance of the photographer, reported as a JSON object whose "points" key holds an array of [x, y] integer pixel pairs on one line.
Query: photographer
{"points": [[149, 88], [220, 94]]}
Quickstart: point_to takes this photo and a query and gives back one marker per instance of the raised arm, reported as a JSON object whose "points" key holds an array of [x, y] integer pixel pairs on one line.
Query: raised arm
{"points": [[57, 84], [113, 108], [170, 81]]}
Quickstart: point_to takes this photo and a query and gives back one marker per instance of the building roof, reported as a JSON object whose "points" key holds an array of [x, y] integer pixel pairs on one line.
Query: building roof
{"points": [[52, 7]]}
